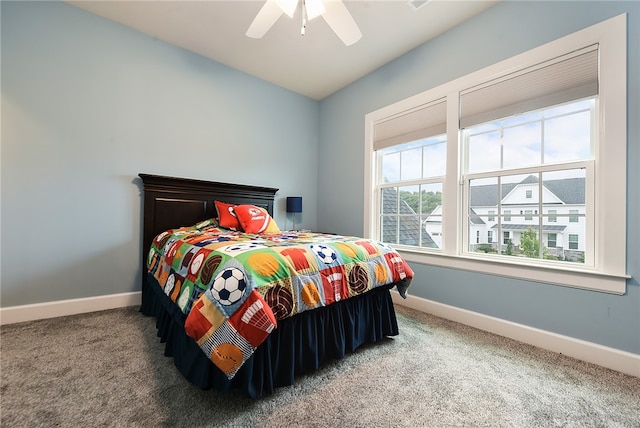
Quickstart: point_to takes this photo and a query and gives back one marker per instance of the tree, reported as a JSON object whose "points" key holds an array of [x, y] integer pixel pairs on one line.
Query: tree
{"points": [[529, 244], [509, 251]]}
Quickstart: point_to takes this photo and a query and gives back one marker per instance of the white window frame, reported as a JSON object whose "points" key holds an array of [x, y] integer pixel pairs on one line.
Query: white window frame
{"points": [[606, 270]]}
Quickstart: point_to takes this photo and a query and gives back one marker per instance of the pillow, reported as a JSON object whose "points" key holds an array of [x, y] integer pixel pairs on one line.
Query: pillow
{"points": [[226, 217], [254, 219]]}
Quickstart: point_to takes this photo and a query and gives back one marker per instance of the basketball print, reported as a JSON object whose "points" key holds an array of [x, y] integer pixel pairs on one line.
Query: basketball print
{"points": [[229, 286]]}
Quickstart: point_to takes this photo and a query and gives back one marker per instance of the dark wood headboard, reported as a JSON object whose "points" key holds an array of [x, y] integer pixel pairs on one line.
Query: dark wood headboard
{"points": [[171, 202]]}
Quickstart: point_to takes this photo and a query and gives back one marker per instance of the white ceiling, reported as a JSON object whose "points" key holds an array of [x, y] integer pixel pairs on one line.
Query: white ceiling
{"points": [[315, 65]]}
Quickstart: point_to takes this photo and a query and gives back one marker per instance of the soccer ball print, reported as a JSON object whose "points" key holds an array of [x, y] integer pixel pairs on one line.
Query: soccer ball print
{"points": [[229, 286], [326, 254]]}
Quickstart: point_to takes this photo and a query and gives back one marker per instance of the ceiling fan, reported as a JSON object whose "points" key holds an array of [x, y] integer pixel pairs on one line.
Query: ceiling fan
{"points": [[334, 12]]}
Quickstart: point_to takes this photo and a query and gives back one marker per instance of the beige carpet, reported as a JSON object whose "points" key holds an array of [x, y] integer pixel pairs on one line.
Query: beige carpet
{"points": [[107, 369]]}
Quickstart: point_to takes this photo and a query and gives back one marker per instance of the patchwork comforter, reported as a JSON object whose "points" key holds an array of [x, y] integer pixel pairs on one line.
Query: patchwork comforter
{"points": [[234, 287]]}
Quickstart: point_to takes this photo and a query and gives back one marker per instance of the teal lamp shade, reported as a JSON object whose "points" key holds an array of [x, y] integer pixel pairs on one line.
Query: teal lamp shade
{"points": [[294, 204]]}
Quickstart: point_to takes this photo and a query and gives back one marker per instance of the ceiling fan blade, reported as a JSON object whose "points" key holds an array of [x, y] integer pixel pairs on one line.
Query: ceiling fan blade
{"points": [[341, 21], [264, 20]]}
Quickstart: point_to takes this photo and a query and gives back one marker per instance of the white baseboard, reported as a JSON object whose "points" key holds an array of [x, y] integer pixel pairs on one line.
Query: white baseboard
{"points": [[615, 359], [15, 314]]}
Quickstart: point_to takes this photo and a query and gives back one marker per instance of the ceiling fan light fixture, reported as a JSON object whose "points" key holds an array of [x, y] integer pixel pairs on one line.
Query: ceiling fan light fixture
{"points": [[334, 12], [314, 8], [288, 6]]}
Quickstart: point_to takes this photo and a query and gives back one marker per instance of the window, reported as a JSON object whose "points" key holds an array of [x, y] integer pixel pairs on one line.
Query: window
{"points": [[411, 165], [512, 149], [573, 241], [573, 216]]}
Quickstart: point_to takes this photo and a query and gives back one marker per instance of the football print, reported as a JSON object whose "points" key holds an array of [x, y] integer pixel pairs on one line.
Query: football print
{"points": [[240, 247], [326, 254], [229, 286]]}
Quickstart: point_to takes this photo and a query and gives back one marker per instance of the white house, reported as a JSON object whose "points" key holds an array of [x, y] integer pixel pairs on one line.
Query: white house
{"points": [[495, 219]]}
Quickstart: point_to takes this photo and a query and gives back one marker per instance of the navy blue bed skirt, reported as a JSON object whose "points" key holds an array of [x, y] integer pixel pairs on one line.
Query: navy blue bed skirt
{"points": [[299, 344]]}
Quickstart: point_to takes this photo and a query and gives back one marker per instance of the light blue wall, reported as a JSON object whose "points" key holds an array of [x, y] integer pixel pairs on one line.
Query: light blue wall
{"points": [[88, 104], [509, 28]]}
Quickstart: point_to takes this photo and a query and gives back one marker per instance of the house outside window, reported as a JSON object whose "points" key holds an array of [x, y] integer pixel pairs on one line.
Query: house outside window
{"points": [[524, 136]]}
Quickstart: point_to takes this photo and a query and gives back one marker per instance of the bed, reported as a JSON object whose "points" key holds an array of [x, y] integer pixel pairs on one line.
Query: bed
{"points": [[200, 326]]}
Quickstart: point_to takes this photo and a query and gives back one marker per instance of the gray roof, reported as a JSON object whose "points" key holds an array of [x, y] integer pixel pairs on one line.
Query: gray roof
{"points": [[410, 224], [475, 218], [569, 191]]}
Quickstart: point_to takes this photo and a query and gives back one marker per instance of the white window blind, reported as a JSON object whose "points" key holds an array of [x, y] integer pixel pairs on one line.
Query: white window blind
{"points": [[567, 78], [424, 121]]}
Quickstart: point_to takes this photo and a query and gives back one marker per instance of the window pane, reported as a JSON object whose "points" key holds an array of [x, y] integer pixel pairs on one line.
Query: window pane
{"points": [[481, 234], [389, 229], [409, 200], [390, 167], [431, 198], [567, 138], [389, 210], [435, 159], [484, 152], [389, 200], [411, 164], [409, 231], [432, 230], [522, 145], [431, 210], [409, 219]]}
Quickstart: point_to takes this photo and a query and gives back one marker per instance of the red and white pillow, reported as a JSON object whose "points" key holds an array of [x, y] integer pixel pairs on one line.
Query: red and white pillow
{"points": [[255, 219], [226, 217], [248, 218]]}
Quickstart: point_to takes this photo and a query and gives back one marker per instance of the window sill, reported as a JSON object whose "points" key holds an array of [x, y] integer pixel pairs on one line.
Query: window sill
{"points": [[576, 278]]}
